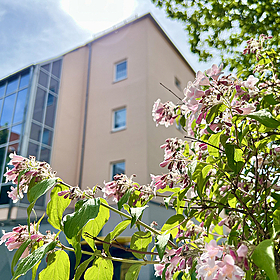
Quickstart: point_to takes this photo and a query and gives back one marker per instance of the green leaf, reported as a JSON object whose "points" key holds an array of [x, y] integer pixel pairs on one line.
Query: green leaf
{"points": [[172, 223], [75, 241], [265, 118], [102, 269], [18, 254], [86, 211], [215, 141], [234, 157], [82, 267], [263, 257], [40, 189], [136, 213], [191, 168], [140, 241], [186, 150], [56, 206], [116, 232], [232, 202], [94, 227], [58, 267], [161, 243], [124, 198], [133, 272], [276, 222], [203, 179], [31, 260]]}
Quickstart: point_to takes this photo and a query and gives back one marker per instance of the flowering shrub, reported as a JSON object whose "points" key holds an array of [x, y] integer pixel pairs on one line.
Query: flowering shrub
{"points": [[222, 179]]}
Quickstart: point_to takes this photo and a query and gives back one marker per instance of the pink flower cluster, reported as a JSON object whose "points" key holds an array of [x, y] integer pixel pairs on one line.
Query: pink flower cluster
{"points": [[164, 114], [31, 168], [254, 46], [77, 193], [20, 234], [176, 261], [216, 264], [117, 188]]}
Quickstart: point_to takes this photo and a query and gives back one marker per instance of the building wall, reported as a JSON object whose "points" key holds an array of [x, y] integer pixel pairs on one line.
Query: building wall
{"points": [[70, 116]]}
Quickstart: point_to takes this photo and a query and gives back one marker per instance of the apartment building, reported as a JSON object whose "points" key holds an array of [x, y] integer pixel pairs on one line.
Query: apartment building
{"points": [[88, 111]]}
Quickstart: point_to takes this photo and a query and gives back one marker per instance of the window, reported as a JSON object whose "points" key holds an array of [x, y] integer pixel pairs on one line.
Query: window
{"points": [[119, 119], [117, 168], [120, 71]]}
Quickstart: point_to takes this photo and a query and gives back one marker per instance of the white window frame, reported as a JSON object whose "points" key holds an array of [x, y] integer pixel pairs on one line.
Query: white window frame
{"points": [[112, 167], [113, 119], [116, 79]]}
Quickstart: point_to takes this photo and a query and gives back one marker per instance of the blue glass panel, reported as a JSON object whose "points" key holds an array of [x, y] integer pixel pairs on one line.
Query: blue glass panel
{"points": [[121, 71], [2, 158], [24, 80], [54, 85], [20, 106], [2, 88], [45, 154], [35, 133], [43, 79], [118, 168], [15, 132], [8, 109], [12, 85], [33, 149], [120, 119], [56, 68], [39, 105], [46, 67], [51, 109], [47, 137], [4, 134]]}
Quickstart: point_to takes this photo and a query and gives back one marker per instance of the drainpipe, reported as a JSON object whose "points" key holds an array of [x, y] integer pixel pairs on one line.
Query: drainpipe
{"points": [[85, 118]]}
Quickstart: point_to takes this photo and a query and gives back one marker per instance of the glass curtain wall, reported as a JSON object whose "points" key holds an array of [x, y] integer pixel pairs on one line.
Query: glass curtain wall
{"points": [[14, 93]]}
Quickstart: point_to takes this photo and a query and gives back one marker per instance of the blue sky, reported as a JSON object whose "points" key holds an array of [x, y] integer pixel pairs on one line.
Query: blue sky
{"points": [[36, 30]]}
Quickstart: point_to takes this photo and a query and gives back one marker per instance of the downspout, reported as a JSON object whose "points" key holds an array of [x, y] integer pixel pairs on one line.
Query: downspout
{"points": [[85, 118]]}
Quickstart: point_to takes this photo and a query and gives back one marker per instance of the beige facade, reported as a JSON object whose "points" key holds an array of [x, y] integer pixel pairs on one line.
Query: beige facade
{"points": [[151, 59]]}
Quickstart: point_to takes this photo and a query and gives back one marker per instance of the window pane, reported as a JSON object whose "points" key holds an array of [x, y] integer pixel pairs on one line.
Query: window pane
{"points": [[33, 150], [45, 154], [24, 80], [11, 149], [4, 199], [56, 68], [120, 119], [121, 70], [12, 85], [50, 114], [43, 79], [47, 137], [20, 106], [8, 110], [2, 89], [4, 133], [118, 168], [15, 132], [35, 133], [39, 105], [2, 158], [54, 85], [46, 67]]}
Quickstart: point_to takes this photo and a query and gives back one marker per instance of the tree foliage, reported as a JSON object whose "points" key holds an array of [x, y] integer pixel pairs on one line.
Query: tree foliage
{"points": [[220, 27]]}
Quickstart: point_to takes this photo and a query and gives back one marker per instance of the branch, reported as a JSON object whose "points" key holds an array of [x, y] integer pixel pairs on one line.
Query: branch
{"points": [[119, 246], [198, 140], [171, 91]]}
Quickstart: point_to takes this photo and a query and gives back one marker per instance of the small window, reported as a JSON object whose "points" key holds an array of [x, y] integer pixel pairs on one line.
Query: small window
{"points": [[120, 71], [117, 168], [178, 84], [119, 119]]}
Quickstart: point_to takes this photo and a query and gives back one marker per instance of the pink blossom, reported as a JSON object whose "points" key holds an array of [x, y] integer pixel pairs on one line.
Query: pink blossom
{"points": [[229, 270], [164, 114], [214, 72], [242, 251], [250, 83], [277, 149]]}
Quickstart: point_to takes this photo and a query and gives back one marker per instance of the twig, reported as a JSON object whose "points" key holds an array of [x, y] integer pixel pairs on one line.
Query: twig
{"points": [[171, 91]]}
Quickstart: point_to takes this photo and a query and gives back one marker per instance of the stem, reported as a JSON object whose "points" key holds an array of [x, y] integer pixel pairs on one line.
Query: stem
{"points": [[198, 140], [137, 222], [120, 246], [145, 262], [171, 91]]}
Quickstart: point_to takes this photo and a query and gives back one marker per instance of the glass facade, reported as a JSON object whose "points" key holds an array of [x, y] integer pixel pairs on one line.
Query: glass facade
{"points": [[43, 117], [27, 116], [14, 94]]}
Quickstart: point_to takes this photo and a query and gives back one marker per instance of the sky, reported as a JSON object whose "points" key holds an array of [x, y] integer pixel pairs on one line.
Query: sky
{"points": [[35, 30]]}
